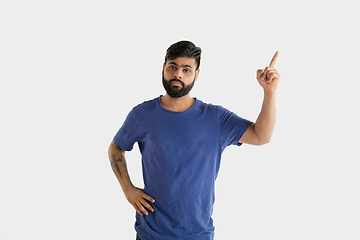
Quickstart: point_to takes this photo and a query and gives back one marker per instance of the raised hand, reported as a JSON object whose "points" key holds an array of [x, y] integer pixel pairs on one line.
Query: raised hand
{"points": [[269, 77]]}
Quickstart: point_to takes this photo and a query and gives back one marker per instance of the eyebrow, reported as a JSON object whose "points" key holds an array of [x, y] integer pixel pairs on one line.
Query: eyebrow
{"points": [[185, 65]]}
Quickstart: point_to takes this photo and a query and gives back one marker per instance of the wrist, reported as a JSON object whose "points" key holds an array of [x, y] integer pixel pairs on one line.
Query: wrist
{"points": [[127, 186], [270, 92]]}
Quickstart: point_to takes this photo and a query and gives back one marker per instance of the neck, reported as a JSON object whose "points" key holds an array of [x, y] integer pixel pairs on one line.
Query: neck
{"points": [[177, 104]]}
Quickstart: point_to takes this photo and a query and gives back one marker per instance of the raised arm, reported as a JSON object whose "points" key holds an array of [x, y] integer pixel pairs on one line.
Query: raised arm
{"points": [[261, 132], [136, 196]]}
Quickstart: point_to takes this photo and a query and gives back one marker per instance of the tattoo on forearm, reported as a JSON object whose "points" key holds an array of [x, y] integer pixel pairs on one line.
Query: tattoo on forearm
{"points": [[114, 162]]}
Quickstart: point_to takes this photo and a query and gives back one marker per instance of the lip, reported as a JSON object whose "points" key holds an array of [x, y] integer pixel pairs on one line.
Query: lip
{"points": [[175, 83]]}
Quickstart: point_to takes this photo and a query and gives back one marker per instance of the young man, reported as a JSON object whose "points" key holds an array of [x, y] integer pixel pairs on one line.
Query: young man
{"points": [[181, 140]]}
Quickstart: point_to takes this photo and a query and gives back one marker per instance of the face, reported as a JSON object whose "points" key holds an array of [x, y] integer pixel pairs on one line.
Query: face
{"points": [[179, 76]]}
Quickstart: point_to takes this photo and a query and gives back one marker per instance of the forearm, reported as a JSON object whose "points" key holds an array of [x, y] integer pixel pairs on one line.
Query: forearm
{"points": [[119, 166], [136, 196], [265, 123]]}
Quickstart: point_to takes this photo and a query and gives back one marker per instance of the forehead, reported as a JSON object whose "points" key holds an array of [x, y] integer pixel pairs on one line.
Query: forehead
{"points": [[182, 61]]}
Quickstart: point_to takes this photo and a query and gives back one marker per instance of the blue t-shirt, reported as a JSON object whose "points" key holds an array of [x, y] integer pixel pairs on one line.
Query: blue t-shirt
{"points": [[181, 154]]}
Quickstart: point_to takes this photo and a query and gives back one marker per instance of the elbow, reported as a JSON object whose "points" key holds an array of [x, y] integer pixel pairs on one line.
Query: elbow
{"points": [[263, 141]]}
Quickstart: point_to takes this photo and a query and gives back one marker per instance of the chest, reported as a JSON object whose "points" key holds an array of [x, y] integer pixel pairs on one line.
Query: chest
{"points": [[182, 133]]}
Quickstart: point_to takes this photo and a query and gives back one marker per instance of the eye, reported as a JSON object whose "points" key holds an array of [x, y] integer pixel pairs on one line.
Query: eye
{"points": [[187, 70], [172, 67]]}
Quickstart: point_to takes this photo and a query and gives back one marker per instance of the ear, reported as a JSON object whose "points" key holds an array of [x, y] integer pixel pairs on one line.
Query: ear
{"points": [[197, 74], [163, 69]]}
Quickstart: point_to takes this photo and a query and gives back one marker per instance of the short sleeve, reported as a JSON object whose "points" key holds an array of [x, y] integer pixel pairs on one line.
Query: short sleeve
{"points": [[232, 127], [128, 133]]}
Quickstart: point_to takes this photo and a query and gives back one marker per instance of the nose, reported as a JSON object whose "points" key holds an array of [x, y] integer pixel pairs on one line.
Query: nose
{"points": [[178, 74]]}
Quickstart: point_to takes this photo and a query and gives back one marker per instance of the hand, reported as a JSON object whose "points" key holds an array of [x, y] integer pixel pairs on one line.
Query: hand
{"points": [[269, 78], [137, 198]]}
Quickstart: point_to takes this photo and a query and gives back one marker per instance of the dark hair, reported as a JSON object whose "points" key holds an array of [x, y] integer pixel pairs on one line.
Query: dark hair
{"points": [[184, 49]]}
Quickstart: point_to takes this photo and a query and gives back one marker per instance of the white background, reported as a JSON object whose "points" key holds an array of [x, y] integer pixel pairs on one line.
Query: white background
{"points": [[70, 72]]}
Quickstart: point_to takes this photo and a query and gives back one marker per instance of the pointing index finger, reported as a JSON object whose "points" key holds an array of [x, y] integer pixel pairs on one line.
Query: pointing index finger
{"points": [[273, 60]]}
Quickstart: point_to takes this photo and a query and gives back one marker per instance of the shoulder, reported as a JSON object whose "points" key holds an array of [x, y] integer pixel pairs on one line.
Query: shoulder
{"points": [[214, 108], [146, 105]]}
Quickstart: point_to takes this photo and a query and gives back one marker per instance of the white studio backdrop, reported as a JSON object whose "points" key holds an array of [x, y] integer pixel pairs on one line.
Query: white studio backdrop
{"points": [[70, 72]]}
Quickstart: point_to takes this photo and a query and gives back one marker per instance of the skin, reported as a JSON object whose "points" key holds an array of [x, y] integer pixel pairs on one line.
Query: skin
{"points": [[135, 196], [261, 131], [184, 69]]}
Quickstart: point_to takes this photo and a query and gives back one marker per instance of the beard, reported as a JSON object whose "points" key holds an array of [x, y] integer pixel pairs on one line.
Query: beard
{"points": [[176, 91]]}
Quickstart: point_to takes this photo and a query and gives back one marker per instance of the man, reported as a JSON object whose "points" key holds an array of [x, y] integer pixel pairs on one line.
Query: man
{"points": [[181, 140]]}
